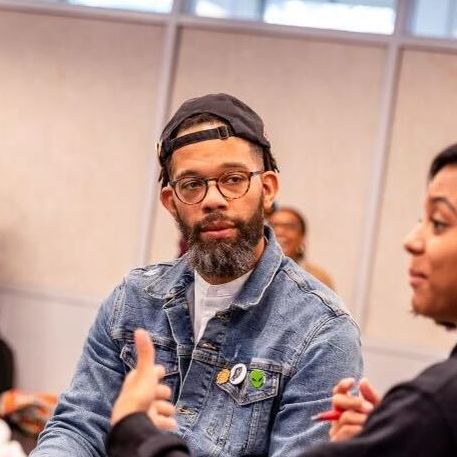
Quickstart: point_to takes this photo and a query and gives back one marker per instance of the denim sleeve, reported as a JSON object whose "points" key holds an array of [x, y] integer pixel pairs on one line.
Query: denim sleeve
{"points": [[331, 353], [82, 417]]}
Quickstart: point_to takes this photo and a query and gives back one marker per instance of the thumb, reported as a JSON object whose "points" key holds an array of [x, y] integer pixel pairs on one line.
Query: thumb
{"points": [[144, 349]]}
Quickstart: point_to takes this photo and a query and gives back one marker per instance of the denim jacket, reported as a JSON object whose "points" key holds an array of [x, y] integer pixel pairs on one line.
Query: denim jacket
{"points": [[283, 322]]}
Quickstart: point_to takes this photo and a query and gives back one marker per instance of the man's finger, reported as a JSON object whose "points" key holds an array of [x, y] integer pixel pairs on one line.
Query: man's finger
{"points": [[144, 350]]}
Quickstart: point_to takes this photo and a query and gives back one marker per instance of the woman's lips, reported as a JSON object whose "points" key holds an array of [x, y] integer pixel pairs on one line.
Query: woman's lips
{"points": [[416, 278]]}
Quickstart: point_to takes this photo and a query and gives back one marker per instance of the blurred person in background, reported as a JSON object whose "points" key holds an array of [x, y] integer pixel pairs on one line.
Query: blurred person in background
{"points": [[291, 230]]}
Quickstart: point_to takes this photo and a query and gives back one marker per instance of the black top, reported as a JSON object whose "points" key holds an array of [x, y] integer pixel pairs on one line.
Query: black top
{"points": [[136, 436], [416, 418]]}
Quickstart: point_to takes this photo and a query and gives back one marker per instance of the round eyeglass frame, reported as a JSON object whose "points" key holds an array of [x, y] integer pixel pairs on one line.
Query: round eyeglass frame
{"points": [[249, 174]]}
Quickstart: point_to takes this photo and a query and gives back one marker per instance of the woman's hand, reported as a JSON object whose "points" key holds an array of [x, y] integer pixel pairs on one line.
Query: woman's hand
{"points": [[355, 409]]}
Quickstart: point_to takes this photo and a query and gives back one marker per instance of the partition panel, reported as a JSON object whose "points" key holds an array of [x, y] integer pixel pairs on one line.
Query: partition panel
{"points": [[424, 124], [46, 348], [77, 107]]}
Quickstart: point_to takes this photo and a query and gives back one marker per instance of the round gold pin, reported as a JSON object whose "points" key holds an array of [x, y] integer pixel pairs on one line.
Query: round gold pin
{"points": [[223, 376]]}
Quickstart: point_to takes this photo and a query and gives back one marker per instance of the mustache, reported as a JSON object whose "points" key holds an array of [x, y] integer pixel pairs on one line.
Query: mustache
{"points": [[215, 217]]}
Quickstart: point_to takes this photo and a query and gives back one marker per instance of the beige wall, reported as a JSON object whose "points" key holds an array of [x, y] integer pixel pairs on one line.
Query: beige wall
{"points": [[75, 120], [424, 124], [78, 99], [77, 105]]}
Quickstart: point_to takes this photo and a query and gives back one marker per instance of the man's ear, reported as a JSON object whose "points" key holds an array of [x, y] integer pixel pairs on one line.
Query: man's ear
{"points": [[166, 197], [270, 183]]}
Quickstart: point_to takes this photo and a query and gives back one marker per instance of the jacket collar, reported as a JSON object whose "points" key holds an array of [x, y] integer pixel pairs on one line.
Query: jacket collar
{"points": [[176, 279]]}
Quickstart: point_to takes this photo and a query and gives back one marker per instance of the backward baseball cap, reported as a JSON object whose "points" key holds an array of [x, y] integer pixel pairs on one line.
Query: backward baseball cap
{"points": [[241, 120]]}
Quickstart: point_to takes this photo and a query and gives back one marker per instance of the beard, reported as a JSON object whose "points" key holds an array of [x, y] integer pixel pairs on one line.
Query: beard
{"points": [[228, 258]]}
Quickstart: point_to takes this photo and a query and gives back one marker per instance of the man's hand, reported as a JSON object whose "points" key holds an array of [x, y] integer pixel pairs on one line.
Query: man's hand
{"points": [[355, 409], [142, 391]]}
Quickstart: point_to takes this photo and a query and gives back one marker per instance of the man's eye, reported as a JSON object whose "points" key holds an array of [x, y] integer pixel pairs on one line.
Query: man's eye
{"points": [[192, 184], [233, 179]]}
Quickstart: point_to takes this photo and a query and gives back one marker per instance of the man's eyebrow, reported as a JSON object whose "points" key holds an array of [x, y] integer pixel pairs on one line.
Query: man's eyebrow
{"points": [[445, 201], [186, 173], [234, 165], [225, 165]]}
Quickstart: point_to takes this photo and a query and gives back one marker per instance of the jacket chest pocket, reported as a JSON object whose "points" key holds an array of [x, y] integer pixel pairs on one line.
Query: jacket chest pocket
{"points": [[252, 408], [259, 385], [165, 355]]}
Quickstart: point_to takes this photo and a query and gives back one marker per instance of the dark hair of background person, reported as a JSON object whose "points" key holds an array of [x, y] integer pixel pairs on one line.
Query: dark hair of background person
{"points": [[6, 367]]}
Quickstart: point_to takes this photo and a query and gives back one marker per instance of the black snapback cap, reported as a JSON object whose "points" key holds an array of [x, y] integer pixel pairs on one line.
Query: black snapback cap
{"points": [[241, 120]]}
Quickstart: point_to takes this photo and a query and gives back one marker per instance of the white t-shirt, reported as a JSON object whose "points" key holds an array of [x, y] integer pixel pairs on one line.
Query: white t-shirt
{"points": [[209, 299]]}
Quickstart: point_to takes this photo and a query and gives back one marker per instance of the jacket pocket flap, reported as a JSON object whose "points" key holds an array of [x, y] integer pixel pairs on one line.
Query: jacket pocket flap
{"points": [[164, 356]]}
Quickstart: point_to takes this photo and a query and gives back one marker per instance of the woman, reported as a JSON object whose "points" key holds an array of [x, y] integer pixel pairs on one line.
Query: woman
{"points": [[291, 231], [416, 418]]}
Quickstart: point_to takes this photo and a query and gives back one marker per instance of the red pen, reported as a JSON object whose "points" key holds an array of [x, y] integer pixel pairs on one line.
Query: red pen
{"points": [[332, 415]]}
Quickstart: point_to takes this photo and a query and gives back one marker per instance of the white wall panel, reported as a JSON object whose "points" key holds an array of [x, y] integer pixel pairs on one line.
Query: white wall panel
{"points": [[77, 106], [47, 338], [424, 124]]}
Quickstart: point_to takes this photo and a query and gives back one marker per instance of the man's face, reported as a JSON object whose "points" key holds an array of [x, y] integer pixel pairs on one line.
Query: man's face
{"points": [[225, 236], [433, 248], [289, 232]]}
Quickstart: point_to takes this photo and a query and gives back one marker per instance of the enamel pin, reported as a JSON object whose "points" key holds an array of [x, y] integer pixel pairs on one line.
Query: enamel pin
{"points": [[238, 374]]}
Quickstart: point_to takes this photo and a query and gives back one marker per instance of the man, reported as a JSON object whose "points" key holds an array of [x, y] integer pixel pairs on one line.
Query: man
{"points": [[415, 419], [251, 345]]}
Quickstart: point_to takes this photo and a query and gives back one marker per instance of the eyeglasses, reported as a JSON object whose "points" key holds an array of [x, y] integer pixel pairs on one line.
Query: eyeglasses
{"points": [[232, 185]]}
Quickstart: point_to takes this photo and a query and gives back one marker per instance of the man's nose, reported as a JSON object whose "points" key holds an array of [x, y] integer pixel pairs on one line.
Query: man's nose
{"points": [[213, 199]]}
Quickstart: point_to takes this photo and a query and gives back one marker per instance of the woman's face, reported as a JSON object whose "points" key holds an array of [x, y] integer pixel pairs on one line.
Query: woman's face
{"points": [[433, 248], [288, 232]]}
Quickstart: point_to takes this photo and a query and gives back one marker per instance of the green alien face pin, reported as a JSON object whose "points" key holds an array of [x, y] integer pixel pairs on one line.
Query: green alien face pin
{"points": [[257, 378]]}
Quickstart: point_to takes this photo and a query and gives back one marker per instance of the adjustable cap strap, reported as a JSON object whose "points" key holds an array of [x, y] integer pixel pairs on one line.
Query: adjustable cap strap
{"points": [[219, 133]]}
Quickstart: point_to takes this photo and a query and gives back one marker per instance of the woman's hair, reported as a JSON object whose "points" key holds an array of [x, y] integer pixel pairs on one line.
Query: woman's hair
{"points": [[446, 157]]}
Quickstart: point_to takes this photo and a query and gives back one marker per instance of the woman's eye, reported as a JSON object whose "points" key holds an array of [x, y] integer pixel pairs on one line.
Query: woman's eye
{"points": [[438, 226]]}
